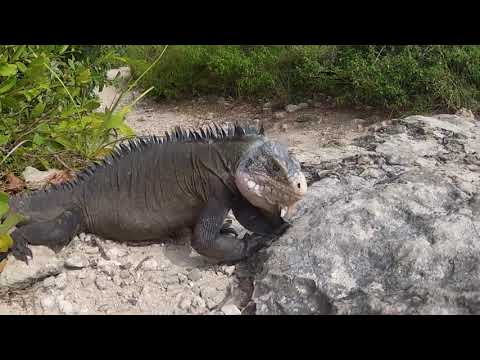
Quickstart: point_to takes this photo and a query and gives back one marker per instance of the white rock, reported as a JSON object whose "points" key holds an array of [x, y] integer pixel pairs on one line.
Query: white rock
{"points": [[108, 267], [466, 113], [291, 108], [66, 307], [76, 261], [303, 105], [185, 303], [123, 73], [48, 303], [91, 250], [182, 278], [124, 274], [279, 115], [198, 302], [115, 253], [150, 265], [212, 296], [36, 179], [61, 281], [17, 274], [49, 282], [231, 309], [195, 275], [228, 270], [101, 282], [117, 280]]}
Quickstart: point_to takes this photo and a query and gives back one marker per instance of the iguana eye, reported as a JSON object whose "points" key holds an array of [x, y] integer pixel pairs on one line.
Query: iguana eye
{"points": [[275, 167]]}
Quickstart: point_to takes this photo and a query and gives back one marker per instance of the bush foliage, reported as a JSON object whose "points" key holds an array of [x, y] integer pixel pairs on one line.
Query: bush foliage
{"points": [[48, 103], [399, 78]]}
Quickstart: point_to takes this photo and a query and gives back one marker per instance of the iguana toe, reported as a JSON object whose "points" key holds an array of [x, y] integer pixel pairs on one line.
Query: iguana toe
{"points": [[21, 251]]}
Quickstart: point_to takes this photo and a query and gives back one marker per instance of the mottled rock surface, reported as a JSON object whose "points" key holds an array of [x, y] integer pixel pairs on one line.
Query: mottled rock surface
{"points": [[393, 229]]}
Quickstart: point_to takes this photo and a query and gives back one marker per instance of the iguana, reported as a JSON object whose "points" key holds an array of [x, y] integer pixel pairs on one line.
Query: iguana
{"points": [[153, 186]]}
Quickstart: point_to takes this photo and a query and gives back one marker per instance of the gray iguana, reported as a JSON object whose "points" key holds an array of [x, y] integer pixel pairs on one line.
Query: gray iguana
{"points": [[153, 186]]}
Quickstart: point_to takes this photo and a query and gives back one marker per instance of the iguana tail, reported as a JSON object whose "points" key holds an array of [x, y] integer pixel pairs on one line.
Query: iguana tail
{"points": [[52, 218]]}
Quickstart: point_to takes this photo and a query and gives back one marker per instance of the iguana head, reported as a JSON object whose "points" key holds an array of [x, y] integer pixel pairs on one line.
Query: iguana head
{"points": [[270, 178]]}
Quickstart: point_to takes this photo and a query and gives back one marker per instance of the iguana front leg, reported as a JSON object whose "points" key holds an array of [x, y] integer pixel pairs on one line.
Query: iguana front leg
{"points": [[256, 220], [208, 241]]}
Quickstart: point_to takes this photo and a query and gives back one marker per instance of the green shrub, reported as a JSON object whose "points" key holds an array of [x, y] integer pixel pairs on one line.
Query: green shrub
{"points": [[399, 78], [47, 107]]}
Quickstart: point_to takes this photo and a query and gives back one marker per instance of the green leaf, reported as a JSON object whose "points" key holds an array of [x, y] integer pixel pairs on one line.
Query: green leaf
{"points": [[8, 69], [44, 128], [126, 130], [64, 48], [19, 51], [84, 77], [38, 110], [38, 139], [92, 105], [65, 142], [115, 120], [45, 163], [21, 67], [6, 242], [7, 85], [12, 219], [4, 139], [4, 207]]}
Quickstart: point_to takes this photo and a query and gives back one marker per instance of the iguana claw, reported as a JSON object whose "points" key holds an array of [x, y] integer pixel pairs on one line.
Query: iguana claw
{"points": [[20, 250]]}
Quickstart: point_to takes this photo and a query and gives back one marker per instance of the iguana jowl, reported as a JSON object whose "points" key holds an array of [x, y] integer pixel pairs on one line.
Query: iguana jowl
{"points": [[153, 186]]}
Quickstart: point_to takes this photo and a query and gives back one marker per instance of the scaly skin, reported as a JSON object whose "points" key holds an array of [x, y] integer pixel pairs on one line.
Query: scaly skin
{"points": [[153, 187]]}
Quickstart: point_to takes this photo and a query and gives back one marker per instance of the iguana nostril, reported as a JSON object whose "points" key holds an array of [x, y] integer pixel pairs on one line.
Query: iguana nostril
{"points": [[298, 185]]}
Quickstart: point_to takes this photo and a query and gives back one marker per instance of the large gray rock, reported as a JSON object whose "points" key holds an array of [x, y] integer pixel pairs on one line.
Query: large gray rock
{"points": [[391, 230]]}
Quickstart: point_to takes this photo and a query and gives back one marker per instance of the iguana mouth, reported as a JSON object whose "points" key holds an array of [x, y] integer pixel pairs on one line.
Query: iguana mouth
{"points": [[273, 196]]}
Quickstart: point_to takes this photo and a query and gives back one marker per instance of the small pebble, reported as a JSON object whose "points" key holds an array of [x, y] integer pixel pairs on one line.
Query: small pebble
{"points": [[198, 302], [66, 307], [107, 267], [61, 281], [49, 282], [231, 309], [228, 270], [117, 280], [291, 108], [116, 253], [76, 261], [195, 275], [91, 250], [150, 265], [101, 283], [182, 278], [279, 115], [48, 303], [185, 304], [124, 274]]}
